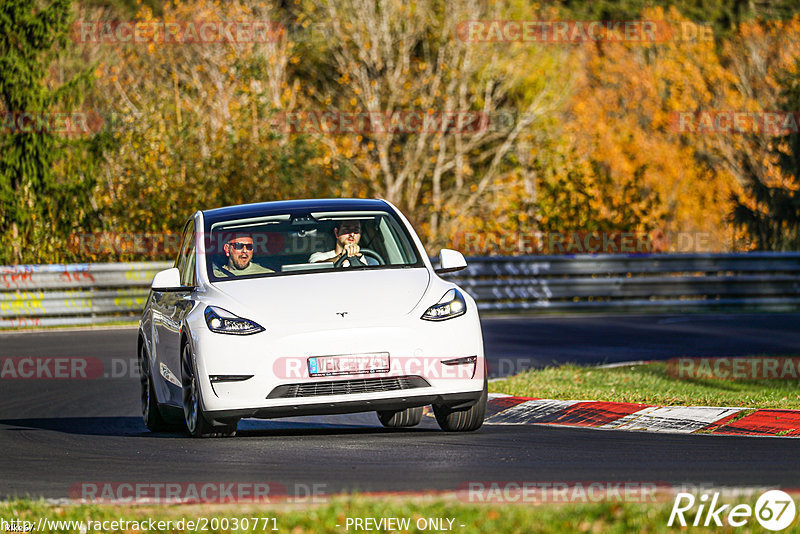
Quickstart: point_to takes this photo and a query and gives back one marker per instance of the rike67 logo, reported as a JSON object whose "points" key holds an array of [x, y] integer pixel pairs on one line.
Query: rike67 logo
{"points": [[774, 510]]}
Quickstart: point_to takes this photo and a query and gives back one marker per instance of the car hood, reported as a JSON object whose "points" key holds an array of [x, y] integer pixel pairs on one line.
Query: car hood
{"points": [[368, 296]]}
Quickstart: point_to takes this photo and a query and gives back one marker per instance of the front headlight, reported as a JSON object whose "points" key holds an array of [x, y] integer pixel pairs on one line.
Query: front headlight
{"points": [[224, 322], [452, 304]]}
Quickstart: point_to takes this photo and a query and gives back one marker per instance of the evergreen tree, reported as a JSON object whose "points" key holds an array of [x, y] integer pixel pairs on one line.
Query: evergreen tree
{"points": [[39, 204]]}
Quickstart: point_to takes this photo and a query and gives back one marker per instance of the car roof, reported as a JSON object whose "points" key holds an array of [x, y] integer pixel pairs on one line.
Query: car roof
{"points": [[294, 207]]}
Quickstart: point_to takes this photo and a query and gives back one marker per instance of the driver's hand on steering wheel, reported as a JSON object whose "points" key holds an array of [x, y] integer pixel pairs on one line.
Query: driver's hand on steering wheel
{"points": [[350, 250]]}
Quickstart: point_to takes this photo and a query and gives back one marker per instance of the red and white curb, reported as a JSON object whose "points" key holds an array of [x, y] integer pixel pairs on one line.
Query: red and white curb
{"points": [[508, 410]]}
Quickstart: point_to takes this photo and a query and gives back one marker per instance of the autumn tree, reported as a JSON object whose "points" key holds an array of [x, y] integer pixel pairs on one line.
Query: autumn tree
{"points": [[393, 57], [770, 209], [761, 59], [515, 136], [193, 121], [621, 122]]}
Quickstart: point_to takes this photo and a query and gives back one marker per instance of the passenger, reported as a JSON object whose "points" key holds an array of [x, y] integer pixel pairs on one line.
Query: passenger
{"points": [[239, 250], [347, 234]]}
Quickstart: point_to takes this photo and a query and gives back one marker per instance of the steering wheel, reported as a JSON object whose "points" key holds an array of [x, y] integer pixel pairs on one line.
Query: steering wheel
{"points": [[355, 261]]}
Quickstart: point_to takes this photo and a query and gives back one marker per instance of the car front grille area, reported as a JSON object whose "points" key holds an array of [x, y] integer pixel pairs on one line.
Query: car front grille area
{"points": [[347, 387]]}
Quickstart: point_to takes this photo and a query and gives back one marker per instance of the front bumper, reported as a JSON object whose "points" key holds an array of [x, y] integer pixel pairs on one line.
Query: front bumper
{"points": [[451, 400]]}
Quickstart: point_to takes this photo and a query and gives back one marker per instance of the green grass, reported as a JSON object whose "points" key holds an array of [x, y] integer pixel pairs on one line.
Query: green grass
{"points": [[611, 517], [648, 384]]}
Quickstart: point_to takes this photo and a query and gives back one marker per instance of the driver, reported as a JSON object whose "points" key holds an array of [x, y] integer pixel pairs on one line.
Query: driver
{"points": [[347, 234], [239, 250]]}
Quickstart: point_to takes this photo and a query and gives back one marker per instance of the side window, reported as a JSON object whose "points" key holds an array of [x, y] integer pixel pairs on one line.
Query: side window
{"points": [[395, 242], [185, 261]]}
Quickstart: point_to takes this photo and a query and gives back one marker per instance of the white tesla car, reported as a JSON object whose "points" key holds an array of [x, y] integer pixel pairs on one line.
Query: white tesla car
{"points": [[308, 307]]}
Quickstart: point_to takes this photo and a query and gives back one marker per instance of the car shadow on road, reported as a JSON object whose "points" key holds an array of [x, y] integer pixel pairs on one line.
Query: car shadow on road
{"points": [[133, 427]]}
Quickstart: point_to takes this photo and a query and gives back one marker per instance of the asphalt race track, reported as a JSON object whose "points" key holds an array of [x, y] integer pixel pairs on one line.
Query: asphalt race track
{"points": [[56, 434], [513, 344]]}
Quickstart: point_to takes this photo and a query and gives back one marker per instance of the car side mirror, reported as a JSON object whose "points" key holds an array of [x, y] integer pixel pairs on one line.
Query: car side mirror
{"points": [[167, 280], [450, 261]]}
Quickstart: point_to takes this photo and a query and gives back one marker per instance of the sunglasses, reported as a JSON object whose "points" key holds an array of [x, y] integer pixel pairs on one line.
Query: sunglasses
{"points": [[240, 246]]}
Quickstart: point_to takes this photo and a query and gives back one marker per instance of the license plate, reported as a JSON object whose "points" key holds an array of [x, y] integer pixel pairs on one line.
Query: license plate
{"points": [[349, 364]]}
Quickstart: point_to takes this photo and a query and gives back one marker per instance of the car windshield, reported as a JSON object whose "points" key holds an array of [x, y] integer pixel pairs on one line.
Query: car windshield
{"points": [[285, 244]]}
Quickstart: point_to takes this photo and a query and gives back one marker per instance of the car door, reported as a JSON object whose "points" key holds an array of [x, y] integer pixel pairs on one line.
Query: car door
{"points": [[169, 310]]}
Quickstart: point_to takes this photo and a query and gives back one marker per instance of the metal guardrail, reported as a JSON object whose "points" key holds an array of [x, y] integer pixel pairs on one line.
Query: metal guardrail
{"points": [[88, 293], [648, 282], [46, 295]]}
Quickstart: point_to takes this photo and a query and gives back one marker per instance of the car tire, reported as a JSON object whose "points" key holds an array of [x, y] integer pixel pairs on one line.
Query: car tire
{"points": [[150, 414], [401, 418], [465, 420], [198, 425]]}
